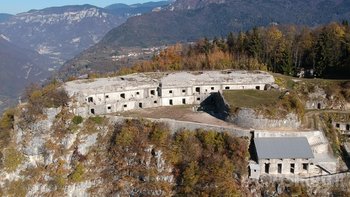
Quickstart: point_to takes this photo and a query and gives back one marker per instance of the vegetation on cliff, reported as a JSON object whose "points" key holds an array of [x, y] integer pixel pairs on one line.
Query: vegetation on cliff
{"points": [[203, 162]]}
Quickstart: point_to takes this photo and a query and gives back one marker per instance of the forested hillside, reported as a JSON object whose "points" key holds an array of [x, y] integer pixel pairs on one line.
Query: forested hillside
{"points": [[206, 20], [281, 49]]}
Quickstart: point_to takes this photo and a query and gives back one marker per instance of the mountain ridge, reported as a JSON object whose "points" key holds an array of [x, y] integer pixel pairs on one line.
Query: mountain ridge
{"points": [[214, 19]]}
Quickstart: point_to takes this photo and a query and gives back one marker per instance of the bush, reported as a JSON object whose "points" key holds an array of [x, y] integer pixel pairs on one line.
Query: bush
{"points": [[77, 120], [78, 173], [17, 188], [44, 97], [12, 159], [6, 125]]}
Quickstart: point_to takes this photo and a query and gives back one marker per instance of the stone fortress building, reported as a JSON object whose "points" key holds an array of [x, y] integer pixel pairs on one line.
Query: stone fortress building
{"points": [[147, 90], [291, 153]]}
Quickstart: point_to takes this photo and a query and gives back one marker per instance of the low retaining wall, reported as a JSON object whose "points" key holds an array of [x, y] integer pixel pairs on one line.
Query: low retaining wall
{"points": [[175, 125], [247, 118]]}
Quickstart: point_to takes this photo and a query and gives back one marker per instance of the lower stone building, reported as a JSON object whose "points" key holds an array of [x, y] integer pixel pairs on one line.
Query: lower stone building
{"points": [[288, 157], [282, 155]]}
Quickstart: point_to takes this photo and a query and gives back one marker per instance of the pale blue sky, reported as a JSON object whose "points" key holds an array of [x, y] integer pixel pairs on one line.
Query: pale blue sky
{"points": [[17, 6]]}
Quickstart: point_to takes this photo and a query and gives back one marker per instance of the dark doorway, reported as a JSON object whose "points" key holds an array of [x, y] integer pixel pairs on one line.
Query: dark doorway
{"points": [[319, 106], [170, 102], [267, 168], [90, 99], [140, 105], [92, 111], [257, 87], [279, 168], [348, 127], [198, 89], [184, 101]]}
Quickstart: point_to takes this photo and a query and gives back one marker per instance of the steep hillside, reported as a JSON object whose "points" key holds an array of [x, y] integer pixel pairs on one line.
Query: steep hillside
{"points": [[19, 67], [209, 20]]}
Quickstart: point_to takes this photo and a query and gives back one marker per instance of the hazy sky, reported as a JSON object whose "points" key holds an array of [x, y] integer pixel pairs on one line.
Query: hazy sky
{"points": [[17, 6]]}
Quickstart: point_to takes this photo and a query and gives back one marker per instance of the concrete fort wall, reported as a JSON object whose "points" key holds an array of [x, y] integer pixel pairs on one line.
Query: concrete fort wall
{"points": [[136, 91], [287, 166], [112, 102]]}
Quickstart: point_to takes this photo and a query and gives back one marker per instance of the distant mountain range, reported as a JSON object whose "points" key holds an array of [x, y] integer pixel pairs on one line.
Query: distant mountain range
{"points": [[39, 41], [136, 9], [189, 20], [4, 17]]}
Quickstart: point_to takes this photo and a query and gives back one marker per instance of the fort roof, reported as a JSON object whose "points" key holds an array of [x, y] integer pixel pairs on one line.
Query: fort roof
{"points": [[283, 148], [112, 84], [179, 79], [168, 80]]}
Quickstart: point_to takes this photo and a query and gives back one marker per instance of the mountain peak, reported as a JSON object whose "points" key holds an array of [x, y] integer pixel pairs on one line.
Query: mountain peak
{"points": [[193, 4]]}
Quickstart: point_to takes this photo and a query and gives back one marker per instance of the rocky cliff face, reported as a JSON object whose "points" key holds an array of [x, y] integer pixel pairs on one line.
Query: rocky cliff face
{"points": [[58, 156]]}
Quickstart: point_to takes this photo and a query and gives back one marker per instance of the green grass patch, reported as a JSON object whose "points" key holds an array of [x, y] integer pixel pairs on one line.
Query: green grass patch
{"points": [[271, 104], [251, 98], [97, 120]]}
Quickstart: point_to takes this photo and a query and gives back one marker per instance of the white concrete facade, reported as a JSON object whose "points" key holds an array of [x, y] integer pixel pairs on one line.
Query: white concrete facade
{"points": [[146, 90]]}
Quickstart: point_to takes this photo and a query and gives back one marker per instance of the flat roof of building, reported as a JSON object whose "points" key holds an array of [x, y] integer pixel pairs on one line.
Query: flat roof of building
{"points": [[216, 77], [168, 80], [283, 148]]}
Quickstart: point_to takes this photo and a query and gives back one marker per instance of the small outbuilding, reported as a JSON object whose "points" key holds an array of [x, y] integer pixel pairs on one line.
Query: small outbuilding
{"points": [[281, 155]]}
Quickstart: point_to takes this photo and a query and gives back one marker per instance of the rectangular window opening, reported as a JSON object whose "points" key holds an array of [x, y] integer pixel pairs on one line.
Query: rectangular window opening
{"points": [[198, 89], [137, 93], [305, 166], [227, 88], [184, 101], [90, 99], [348, 127], [170, 91], [122, 95], [92, 111], [109, 107], [125, 106], [257, 87], [155, 102], [183, 91], [212, 88], [153, 92], [107, 96], [198, 99], [292, 166]]}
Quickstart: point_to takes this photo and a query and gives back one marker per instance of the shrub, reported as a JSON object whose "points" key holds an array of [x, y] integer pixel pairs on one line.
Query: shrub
{"points": [[77, 120], [17, 188], [78, 173], [12, 159], [6, 125]]}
